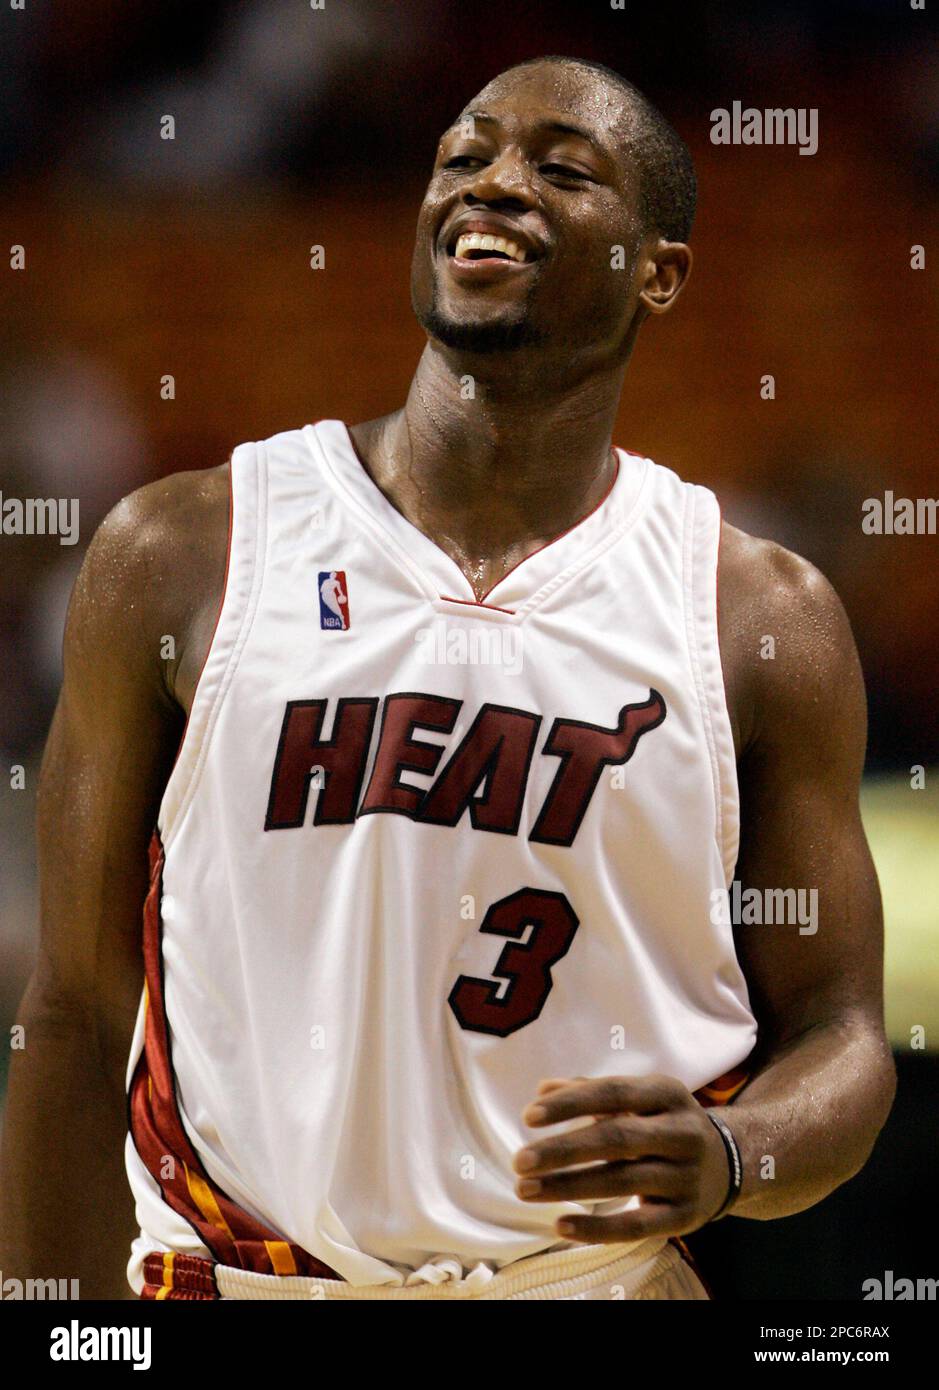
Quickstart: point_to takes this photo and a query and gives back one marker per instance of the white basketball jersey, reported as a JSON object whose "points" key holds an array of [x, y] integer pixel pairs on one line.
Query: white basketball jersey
{"points": [[419, 852]]}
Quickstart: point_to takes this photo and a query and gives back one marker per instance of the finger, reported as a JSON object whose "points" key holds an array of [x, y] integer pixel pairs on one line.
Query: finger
{"points": [[606, 1180], [605, 1095], [651, 1219], [544, 1087], [611, 1139]]}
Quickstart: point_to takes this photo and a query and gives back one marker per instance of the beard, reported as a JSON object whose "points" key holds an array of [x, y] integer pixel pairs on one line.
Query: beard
{"points": [[469, 336]]}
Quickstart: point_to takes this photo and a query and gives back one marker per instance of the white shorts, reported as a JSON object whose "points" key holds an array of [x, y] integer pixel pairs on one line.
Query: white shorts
{"points": [[588, 1272]]}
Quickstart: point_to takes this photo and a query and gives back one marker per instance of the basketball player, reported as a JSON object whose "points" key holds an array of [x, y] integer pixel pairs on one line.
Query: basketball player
{"points": [[442, 997]]}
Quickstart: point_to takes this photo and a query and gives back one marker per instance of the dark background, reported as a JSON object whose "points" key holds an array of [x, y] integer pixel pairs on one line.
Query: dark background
{"points": [[190, 257]]}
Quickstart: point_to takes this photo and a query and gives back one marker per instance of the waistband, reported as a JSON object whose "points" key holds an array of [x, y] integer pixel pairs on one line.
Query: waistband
{"points": [[173, 1276]]}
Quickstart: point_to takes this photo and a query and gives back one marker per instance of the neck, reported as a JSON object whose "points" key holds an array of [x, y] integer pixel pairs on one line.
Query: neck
{"points": [[492, 477]]}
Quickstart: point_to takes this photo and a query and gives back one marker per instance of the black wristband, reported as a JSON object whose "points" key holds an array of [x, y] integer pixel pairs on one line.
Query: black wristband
{"points": [[734, 1164]]}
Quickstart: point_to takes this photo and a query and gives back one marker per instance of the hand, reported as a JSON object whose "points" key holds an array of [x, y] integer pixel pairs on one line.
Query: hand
{"points": [[650, 1137]]}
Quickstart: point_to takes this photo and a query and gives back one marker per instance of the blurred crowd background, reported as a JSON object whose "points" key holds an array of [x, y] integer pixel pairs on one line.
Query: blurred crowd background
{"points": [[296, 126]]}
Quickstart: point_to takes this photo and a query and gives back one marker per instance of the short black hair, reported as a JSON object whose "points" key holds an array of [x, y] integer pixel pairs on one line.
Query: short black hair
{"points": [[668, 188]]}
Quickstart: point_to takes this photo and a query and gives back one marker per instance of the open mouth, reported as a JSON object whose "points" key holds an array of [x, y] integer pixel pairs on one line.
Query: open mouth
{"points": [[476, 246]]}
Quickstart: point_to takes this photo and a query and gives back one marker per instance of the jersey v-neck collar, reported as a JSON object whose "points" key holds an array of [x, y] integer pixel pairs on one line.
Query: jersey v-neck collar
{"points": [[440, 577]]}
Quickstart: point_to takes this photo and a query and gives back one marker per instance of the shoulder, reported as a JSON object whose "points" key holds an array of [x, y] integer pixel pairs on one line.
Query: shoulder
{"points": [[776, 581], [786, 642], [165, 516], [153, 564]]}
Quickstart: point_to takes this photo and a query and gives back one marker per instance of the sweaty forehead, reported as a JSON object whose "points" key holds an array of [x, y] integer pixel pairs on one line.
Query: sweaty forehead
{"points": [[556, 90]]}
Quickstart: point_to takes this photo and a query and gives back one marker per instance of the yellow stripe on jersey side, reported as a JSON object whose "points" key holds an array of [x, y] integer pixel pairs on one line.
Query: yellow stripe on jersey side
{"points": [[721, 1095], [282, 1261], [202, 1195], [168, 1258]]}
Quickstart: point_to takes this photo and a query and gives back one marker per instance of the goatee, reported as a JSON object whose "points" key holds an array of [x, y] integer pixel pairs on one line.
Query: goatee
{"points": [[478, 337]]}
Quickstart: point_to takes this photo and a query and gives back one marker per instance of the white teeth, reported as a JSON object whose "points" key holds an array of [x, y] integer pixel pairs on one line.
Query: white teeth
{"points": [[473, 241]]}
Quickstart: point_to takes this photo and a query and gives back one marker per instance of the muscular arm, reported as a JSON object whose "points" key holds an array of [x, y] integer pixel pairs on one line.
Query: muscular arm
{"points": [[822, 1075], [152, 570], [825, 1076]]}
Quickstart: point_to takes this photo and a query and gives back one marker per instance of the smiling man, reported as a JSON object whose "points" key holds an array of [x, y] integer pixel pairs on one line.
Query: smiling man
{"points": [[436, 1002]]}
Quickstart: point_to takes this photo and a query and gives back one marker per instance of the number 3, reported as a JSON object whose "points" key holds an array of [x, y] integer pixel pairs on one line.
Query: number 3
{"points": [[527, 968]]}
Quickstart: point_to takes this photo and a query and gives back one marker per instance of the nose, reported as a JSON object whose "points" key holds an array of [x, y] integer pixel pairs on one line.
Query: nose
{"points": [[505, 183]]}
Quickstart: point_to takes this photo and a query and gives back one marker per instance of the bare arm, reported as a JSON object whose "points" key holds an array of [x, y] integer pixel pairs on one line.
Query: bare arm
{"points": [[823, 1077], [65, 1207]]}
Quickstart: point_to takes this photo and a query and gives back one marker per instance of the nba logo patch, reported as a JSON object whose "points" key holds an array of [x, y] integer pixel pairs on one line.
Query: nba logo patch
{"points": [[334, 600]]}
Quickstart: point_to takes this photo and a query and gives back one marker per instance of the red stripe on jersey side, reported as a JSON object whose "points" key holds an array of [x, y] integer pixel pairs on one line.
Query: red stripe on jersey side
{"points": [[234, 1237], [724, 1088]]}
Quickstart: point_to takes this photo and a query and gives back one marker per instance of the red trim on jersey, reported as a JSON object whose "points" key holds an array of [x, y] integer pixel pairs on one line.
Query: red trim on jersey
{"points": [[233, 1236], [473, 603], [178, 1277], [481, 602], [723, 1089], [561, 534]]}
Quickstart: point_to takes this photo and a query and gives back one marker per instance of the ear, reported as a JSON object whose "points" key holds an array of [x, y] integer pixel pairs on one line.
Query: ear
{"points": [[667, 267]]}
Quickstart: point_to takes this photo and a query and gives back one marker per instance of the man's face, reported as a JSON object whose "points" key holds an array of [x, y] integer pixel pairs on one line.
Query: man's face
{"points": [[537, 160]]}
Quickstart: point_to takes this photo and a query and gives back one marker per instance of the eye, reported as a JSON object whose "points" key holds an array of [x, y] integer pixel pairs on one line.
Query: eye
{"points": [[564, 171], [462, 161]]}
